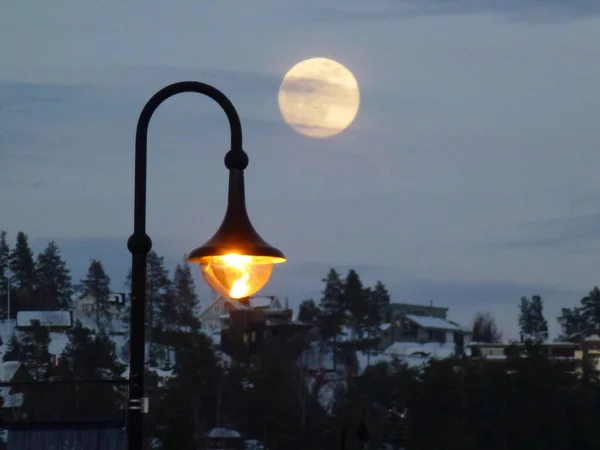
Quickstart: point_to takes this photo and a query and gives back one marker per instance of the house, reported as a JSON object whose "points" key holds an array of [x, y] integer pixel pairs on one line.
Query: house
{"points": [[86, 305], [420, 323], [500, 351], [249, 325], [11, 371], [589, 349], [54, 320], [214, 315]]}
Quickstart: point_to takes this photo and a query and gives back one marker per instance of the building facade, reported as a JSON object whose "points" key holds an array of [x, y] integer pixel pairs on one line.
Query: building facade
{"points": [[407, 322]]}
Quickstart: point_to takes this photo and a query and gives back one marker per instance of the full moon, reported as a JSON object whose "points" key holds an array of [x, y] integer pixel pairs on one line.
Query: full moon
{"points": [[319, 97]]}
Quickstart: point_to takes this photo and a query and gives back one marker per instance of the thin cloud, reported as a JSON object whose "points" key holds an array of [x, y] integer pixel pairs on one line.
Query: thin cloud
{"points": [[531, 11]]}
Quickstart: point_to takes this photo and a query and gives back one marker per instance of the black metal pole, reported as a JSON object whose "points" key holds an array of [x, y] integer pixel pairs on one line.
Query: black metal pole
{"points": [[140, 244]]}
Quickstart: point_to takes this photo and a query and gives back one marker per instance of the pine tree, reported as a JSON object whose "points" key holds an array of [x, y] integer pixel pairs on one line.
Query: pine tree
{"points": [[540, 324], [96, 285], [54, 280], [333, 312], [332, 306], [190, 399], [175, 313], [590, 307], [525, 318], [378, 300], [13, 351], [186, 298], [583, 318], [356, 298], [90, 356], [4, 272], [157, 286], [308, 312], [572, 321], [22, 266], [35, 351]]}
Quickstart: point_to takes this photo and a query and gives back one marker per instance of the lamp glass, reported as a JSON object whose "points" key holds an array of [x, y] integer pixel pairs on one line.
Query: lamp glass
{"points": [[237, 276]]}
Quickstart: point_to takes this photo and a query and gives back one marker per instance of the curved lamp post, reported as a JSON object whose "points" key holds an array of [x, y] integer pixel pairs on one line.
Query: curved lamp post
{"points": [[235, 262]]}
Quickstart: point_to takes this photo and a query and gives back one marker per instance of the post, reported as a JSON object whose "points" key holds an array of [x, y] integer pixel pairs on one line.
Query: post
{"points": [[8, 328], [140, 244]]}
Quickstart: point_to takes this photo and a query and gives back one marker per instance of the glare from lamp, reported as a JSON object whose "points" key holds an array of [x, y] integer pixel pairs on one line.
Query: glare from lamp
{"points": [[237, 276]]}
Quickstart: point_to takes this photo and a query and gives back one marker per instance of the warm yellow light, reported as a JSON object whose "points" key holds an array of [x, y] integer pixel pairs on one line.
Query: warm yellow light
{"points": [[237, 276]]}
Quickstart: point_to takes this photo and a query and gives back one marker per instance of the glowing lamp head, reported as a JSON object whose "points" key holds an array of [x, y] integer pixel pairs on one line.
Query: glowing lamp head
{"points": [[236, 261], [237, 276]]}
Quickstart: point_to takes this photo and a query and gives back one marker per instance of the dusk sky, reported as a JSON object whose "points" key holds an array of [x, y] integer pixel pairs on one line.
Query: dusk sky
{"points": [[468, 179]]}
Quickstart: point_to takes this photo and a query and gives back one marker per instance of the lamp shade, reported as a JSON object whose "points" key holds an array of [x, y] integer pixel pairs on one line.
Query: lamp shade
{"points": [[236, 261]]}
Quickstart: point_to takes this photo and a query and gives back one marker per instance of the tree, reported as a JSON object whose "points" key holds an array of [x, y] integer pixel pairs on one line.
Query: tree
{"points": [[485, 329], [378, 300], [190, 397], [332, 306], [90, 356], [161, 308], [583, 318], [4, 270], [157, 285], [54, 280], [572, 321], [186, 297], [96, 285], [308, 312], [356, 298], [13, 352], [22, 266], [35, 351], [532, 323], [333, 311]]}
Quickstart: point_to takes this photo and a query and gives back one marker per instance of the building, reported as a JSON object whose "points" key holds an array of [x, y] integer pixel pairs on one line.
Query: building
{"points": [[215, 315], [246, 326], [10, 372], [86, 305], [589, 348], [54, 320], [500, 351], [420, 323]]}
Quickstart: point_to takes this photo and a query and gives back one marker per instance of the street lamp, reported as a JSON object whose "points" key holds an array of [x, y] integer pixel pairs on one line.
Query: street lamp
{"points": [[236, 261]]}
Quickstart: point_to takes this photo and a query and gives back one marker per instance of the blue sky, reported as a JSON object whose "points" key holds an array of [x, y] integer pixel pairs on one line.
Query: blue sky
{"points": [[469, 177]]}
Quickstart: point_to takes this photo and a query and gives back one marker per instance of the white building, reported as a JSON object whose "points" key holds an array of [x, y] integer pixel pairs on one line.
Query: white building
{"points": [[86, 305], [214, 316]]}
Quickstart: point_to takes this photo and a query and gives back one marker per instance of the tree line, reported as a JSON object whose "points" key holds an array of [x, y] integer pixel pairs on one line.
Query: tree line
{"points": [[528, 401]]}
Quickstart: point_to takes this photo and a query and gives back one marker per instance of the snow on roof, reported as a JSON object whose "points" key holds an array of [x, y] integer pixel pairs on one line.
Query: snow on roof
{"points": [[58, 342], [433, 322], [434, 349], [46, 318], [228, 301], [385, 326], [223, 433], [593, 337], [8, 370], [260, 302], [412, 353], [112, 325]]}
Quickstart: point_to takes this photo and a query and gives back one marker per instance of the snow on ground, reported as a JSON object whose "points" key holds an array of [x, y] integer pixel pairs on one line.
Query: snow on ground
{"points": [[414, 354]]}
